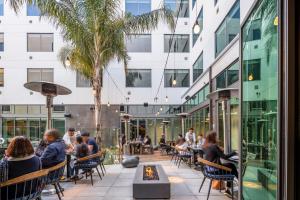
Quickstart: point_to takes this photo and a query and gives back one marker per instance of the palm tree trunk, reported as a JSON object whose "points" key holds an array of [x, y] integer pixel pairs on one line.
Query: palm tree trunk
{"points": [[97, 87]]}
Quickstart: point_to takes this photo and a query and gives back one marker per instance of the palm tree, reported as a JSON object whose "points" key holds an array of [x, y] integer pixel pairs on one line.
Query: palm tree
{"points": [[95, 31]]}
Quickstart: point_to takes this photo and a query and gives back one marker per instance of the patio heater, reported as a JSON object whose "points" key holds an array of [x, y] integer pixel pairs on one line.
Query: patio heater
{"points": [[126, 117], [183, 116], [49, 90]]}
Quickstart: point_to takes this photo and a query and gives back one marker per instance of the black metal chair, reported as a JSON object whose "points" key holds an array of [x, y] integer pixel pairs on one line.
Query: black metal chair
{"points": [[87, 164], [101, 159], [216, 172], [55, 174], [26, 187], [184, 155]]}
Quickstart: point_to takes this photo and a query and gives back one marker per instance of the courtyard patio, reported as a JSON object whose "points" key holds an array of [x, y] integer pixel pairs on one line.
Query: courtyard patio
{"points": [[117, 184]]}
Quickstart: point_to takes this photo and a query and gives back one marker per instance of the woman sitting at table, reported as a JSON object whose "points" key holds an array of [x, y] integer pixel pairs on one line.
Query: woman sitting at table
{"points": [[19, 160], [81, 150], [214, 153], [147, 140], [182, 146]]}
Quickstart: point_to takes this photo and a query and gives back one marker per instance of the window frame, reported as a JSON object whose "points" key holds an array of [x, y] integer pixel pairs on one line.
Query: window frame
{"points": [[198, 35], [82, 86], [201, 55], [40, 42], [225, 71], [150, 2], [32, 5], [176, 86], [128, 35], [169, 47], [175, 11], [41, 72], [148, 69]]}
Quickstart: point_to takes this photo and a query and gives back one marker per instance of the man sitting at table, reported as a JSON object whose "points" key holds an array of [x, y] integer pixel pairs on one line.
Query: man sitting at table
{"points": [[55, 151], [93, 147]]}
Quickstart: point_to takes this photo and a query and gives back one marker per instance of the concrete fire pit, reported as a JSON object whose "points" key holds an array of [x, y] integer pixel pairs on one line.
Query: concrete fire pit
{"points": [[151, 182]]}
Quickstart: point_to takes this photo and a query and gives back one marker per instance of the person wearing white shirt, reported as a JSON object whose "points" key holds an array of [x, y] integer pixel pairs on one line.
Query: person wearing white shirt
{"points": [[70, 139], [190, 136], [201, 140]]}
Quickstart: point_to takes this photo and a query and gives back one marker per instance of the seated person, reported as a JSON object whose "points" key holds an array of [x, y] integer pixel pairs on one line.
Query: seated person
{"points": [[40, 148], [147, 140], [200, 140], [92, 145], [162, 140], [81, 150], [19, 160], [55, 151], [179, 137], [182, 146], [214, 153]]}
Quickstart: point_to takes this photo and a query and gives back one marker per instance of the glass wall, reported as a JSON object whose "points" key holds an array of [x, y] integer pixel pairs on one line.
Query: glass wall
{"points": [[177, 78], [137, 7], [33, 10], [1, 41], [229, 76], [138, 43], [1, 7], [196, 99], [199, 21], [260, 102], [198, 67], [200, 121], [138, 78], [229, 28], [179, 7], [177, 43]]}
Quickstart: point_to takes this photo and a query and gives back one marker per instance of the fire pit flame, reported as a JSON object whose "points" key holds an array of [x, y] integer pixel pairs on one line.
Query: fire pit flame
{"points": [[150, 173]]}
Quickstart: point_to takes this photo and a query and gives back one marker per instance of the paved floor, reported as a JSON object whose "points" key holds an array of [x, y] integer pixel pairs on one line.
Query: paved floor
{"points": [[117, 185]]}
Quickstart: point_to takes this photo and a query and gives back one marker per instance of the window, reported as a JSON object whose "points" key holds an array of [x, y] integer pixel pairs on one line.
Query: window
{"points": [[254, 31], [198, 67], [1, 41], [229, 28], [216, 1], [82, 81], [180, 43], [193, 3], [251, 69], [199, 20], [229, 76], [138, 78], [137, 7], [40, 42], [33, 10], [181, 77], [1, 77], [138, 43], [179, 7], [1, 7], [38, 74]]}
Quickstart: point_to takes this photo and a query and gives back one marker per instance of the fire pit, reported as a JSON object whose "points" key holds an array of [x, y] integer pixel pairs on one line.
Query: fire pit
{"points": [[151, 182]]}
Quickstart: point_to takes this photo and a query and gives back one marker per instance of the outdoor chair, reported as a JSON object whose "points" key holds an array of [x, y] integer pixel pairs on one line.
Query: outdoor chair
{"points": [[26, 187], [148, 148], [100, 160], [216, 172], [55, 174], [174, 154], [87, 164], [184, 155]]}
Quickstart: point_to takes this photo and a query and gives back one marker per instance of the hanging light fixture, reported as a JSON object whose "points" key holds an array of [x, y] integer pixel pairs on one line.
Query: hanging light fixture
{"points": [[68, 62], [250, 77], [117, 111], [108, 104], [197, 28], [167, 99], [174, 82], [161, 108]]}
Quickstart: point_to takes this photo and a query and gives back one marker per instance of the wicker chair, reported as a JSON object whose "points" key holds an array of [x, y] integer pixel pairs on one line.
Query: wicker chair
{"points": [[87, 164], [55, 174], [183, 155], [26, 187], [217, 172]]}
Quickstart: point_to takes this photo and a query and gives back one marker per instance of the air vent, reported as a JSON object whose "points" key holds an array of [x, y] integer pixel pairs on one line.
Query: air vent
{"points": [[186, 23], [58, 108], [6, 108], [186, 58], [30, 21]]}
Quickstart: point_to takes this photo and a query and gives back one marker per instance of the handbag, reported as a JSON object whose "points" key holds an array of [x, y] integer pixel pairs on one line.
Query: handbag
{"points": [[218, 185]]}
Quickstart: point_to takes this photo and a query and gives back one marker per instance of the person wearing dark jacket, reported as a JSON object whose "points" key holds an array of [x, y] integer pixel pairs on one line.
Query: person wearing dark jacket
{"points": [[214, 153], [55, 151], [19, 160]]}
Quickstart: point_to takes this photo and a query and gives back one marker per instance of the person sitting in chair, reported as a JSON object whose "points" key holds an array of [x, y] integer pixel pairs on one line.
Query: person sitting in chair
{"points": [[147, 140]]}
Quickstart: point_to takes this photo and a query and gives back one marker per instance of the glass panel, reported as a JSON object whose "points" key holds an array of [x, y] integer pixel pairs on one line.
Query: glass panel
{"points": [[206, 125], [221, 80], [34, 129], [133, 129], [46, 42], [8, 128], [1, 7], [138, 43], [137, 7], [1, 41], [229, 28], [47, 75], [21, 127], [233, 74], [181, 76], [7, 109], [138, 78], [39, 42], [260, 103], [1, 77], [82, 81], [151, 129], [34, 110], [179, 7], [43, 125], [234, 124], [199, 21], [33, 10], [221, 118], [59, 124], [198, 67], [33, 75], [21, 109], [180, 43]]}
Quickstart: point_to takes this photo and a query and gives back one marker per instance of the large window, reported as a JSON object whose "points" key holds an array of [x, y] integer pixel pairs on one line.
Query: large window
{"points": [[229, 28], [198, 67], [229, 76], [138, 78], [40, 42], [177, 78], [33, 10], [40, 74], [179, 7], [137, 7], [259, 122], [177, 43], [199, 21], [82, 81], [197, 98], [1, 77], [1, 41], [138, 43], [1, 7]]}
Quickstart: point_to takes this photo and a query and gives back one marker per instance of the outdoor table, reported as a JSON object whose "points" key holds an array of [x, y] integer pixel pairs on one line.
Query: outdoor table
{"points": [[133, 146], [195, 151]]}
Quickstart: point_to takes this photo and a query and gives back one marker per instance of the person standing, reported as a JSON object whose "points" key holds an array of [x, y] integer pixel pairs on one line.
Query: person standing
{"points": [[190, 136], [92, 145], [55, 150], [70, 139]]}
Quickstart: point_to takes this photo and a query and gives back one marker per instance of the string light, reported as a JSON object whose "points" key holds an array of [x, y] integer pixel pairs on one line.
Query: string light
{"points": [[161, 108], [167, 99], [68, 62], [174, 82], [108, 104]]}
